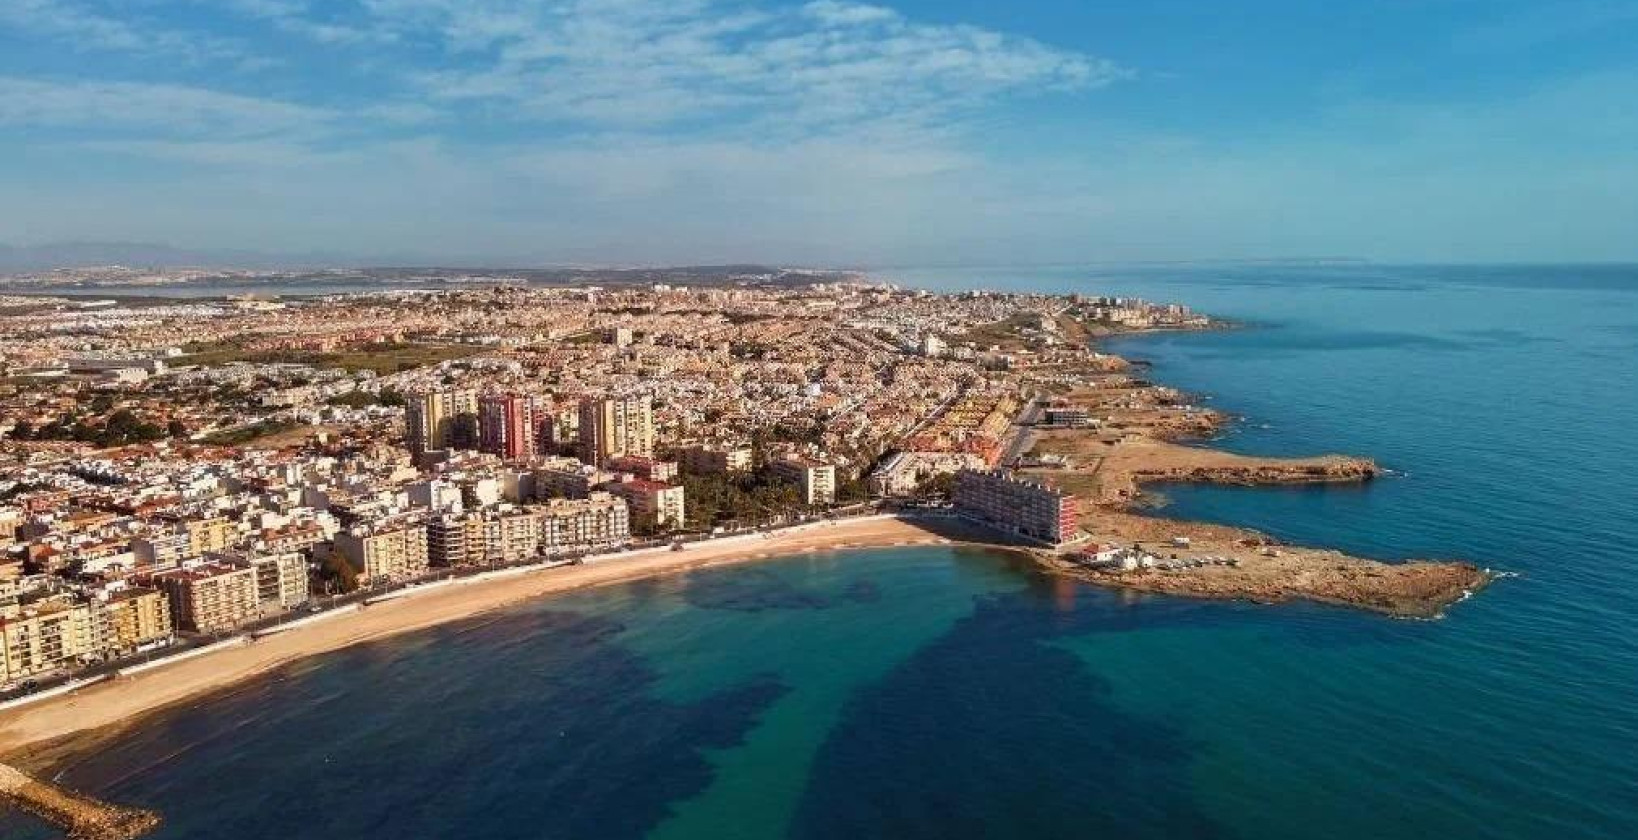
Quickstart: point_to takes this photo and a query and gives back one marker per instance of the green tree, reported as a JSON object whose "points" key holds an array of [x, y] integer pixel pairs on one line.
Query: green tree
{"points": [[337, 574]]}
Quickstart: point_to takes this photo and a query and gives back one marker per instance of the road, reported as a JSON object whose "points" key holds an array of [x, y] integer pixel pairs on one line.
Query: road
{"points": [[1021, 434]]}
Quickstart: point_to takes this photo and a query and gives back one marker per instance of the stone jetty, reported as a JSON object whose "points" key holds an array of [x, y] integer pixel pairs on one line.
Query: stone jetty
{"points": [[82, 817]]}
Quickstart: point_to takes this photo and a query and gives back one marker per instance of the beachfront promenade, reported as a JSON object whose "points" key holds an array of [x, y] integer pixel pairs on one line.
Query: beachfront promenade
{"points": [[332, 606], [118, 700], [111, 701]]}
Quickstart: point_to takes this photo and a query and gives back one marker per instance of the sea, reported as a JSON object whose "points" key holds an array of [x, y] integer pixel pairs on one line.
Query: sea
{"points": [[939, 692]]}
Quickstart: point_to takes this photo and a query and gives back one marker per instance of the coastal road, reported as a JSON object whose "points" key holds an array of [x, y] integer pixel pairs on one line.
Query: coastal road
{"points": [[1021, 434]]}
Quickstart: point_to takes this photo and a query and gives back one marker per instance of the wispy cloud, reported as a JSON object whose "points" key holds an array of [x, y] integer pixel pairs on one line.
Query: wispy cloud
{"points": [[156, 109], [301, 18], [645, 62], [85, 28], [707, 67]]}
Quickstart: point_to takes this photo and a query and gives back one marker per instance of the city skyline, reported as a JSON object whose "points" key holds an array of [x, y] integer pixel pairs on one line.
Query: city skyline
{"points": [[821, 133]]}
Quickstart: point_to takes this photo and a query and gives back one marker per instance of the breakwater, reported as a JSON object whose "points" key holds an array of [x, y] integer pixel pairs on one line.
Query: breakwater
{"points": [[82, 817]]}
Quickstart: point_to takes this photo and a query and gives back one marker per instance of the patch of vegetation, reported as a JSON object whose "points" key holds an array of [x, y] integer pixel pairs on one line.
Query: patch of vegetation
{"points": [[246, 434], [382, 358], [336, 575], [121, 428], [720, 499], [1008, 334], [18, 489], [364, 399]]}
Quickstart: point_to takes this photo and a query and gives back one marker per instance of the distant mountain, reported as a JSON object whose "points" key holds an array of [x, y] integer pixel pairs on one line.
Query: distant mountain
{"points": [[151, 255]]}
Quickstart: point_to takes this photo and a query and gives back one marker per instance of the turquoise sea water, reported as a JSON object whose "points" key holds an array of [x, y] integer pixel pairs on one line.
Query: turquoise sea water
{"points": [[931, 692]]}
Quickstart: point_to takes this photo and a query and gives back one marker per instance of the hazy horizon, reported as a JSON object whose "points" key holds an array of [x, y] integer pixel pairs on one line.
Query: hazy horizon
{"points": [[204, 259]]}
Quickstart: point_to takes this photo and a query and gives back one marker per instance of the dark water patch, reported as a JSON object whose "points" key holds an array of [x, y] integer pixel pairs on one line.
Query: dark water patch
{"points": [[1379, 287], [863, 591], [1503, 336], [990, 732], [1312, 340], [750, 590], [541, 725], [1090, 609], [1279, 341]]}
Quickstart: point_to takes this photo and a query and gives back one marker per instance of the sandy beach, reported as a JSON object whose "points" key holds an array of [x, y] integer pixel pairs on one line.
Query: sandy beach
{"points": [[123, 701]]}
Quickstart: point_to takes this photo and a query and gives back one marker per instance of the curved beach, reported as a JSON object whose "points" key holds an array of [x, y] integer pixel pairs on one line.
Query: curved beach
{"points": [[27, 732]]}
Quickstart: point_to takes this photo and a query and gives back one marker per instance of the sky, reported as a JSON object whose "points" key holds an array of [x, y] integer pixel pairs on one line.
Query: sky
{"points": [[921, 132]]}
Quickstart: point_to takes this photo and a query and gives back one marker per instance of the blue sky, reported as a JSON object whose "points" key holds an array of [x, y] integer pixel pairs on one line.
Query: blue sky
{"points": [[826, 132]]}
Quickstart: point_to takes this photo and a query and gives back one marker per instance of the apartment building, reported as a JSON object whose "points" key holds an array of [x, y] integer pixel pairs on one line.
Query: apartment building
{"points": [[645, 468], [712, 460], [1016, 505], [44, 635], [391, 550], [506, 536], [653, 504], [293, 538], [816, 481], [613, 426], [162, 549], [599, 521], [507, 424], [282, 581], [568, 479], [133, 619], [434, 419], [209, 596], [210, 534]]}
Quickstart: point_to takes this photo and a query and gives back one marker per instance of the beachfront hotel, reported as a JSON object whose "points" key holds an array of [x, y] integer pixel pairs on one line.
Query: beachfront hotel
{"points": [[1018, 506]]}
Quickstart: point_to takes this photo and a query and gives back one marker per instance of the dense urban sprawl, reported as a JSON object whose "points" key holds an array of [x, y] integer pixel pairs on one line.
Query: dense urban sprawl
{"points": [[182, 468]]}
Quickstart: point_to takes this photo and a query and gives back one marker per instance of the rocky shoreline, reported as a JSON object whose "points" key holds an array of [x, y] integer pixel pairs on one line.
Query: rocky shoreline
{"points": [[1136, 444], [1265, 571]]}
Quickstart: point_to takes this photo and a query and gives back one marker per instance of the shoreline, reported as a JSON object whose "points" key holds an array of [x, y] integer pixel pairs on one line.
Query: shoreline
{"points": [[45, 733], [1156, 435], [1139, 446]]}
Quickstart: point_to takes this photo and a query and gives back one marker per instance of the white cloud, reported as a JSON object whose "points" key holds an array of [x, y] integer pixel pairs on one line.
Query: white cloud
{"points": [[652, 62], [82, 28], [716, 67], [833, 13], [297, 17], [154, 108], [705, 128]]}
